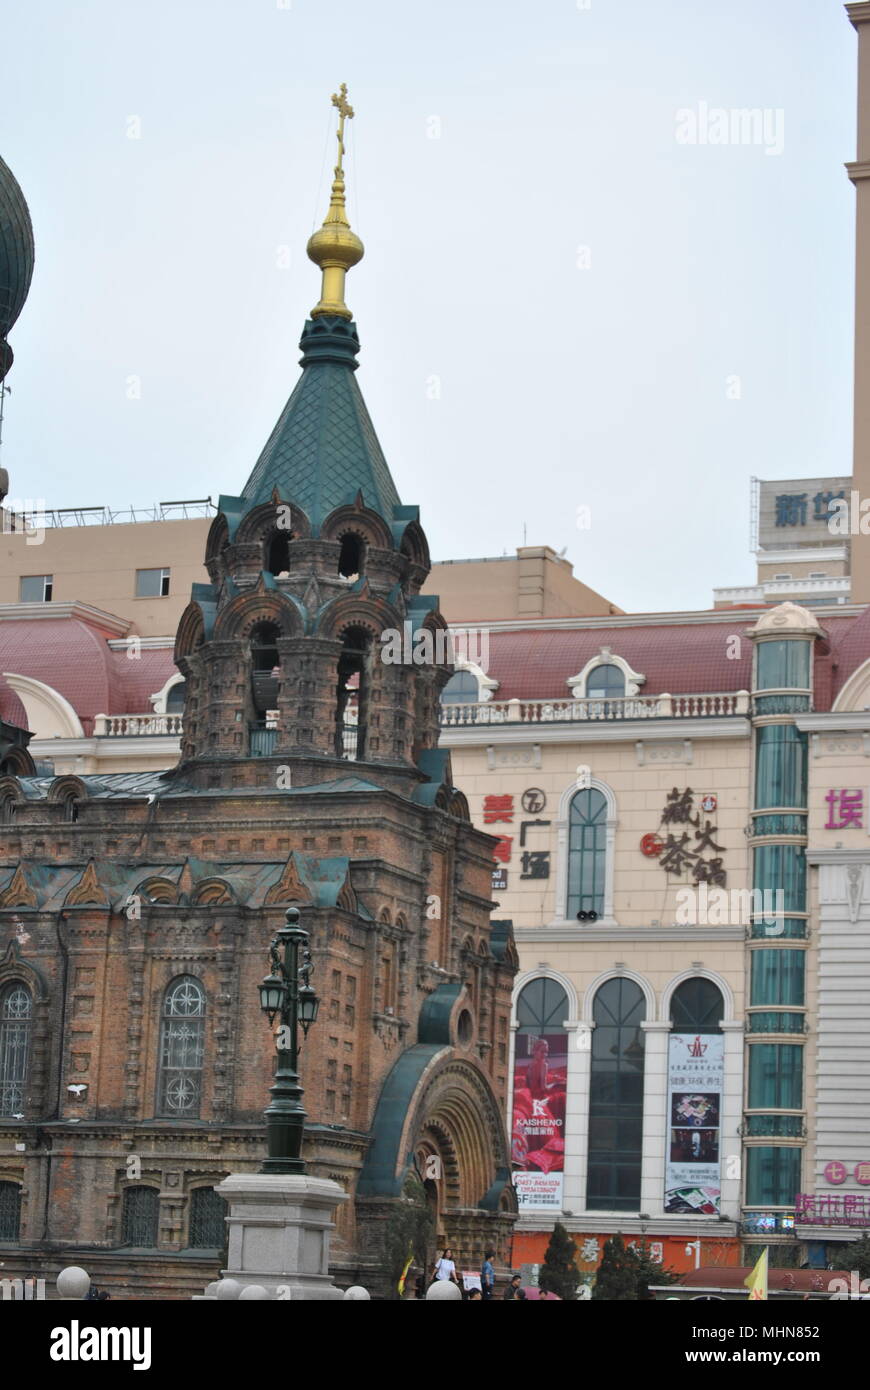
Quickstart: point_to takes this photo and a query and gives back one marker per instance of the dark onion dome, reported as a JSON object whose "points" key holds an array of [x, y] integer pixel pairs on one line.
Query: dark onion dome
{"points": [[16, 258]]}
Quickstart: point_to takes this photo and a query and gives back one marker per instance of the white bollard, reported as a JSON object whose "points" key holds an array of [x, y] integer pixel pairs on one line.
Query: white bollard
{"points": [[73, 1282], [444, 1290]]}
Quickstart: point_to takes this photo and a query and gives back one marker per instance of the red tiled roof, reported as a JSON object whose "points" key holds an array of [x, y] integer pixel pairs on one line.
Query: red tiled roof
{"points": [[850, 650], [680, 658], [75, 660], [733, 1277]]}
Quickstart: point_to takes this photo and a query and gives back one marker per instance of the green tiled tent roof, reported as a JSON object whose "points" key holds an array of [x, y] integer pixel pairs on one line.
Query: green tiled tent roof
{"points": [[324, 450]]}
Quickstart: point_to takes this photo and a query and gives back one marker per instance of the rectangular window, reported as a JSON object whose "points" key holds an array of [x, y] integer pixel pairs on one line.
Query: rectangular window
{"points": [[777, 977], [783, 665], [36, 588], [783, 867], [781, 766], [775, 1076], [152, 583], [773, 1176]]}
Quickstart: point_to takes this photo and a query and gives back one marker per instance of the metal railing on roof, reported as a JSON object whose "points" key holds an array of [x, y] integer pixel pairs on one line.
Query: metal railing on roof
{"points": [[32, 515]]}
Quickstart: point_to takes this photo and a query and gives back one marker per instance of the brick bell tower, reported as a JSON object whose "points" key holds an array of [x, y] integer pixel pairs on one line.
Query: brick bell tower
{"points": [[290, 654]]}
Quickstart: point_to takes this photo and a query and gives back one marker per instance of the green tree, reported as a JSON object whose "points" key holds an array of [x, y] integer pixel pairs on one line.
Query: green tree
{"points": [[617, 1276], [407, 1231], [649, 1271], [858, 1256], [559, 1274]]}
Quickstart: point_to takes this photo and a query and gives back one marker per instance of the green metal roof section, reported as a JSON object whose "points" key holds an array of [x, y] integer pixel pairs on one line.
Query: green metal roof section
{"points": [[501, 934], [381, 1174], [434, 1022], [324, 451]]}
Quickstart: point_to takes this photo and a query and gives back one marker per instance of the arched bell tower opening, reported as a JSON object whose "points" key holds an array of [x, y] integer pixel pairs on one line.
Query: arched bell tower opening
{"points": [[354, 679], [351, 559], [265, 671], [278, 553]]}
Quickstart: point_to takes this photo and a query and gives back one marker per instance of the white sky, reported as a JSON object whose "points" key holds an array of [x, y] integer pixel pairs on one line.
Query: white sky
{"points": [[560, 386]]}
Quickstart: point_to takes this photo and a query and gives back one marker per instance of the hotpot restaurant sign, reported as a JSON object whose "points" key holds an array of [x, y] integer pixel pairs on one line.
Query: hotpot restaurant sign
{"points": [[538, 1128], [695, 1077]]}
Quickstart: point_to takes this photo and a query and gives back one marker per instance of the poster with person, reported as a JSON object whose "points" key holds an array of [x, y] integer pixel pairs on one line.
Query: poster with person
{"points": [[692, 1171], [538, 1126]]}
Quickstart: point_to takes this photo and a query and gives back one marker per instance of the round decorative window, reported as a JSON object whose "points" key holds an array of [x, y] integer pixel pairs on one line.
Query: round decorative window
{"points": [[465, 1028]]}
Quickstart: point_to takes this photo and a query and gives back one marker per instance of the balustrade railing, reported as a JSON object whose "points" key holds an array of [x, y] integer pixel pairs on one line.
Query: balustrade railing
{"points": [[574, 711], [138, 725]]}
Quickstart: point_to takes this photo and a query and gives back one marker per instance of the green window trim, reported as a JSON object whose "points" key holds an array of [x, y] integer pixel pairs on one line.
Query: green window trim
{"points": [[771, 1021], [780, 823], [793, 929], [774, 1126], [785, 703]]}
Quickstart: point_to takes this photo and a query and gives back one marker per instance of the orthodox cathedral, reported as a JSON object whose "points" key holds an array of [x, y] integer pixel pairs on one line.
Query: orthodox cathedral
{"points": [[136, 910]]}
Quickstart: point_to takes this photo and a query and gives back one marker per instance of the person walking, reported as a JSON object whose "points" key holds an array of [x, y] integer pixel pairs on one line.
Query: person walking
{"points": [[487, 1275], [445, 1268], [513, 1289]]}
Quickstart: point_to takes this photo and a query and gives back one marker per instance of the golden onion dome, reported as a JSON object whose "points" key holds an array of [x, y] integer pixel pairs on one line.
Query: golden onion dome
{"points": [[335, 248]]}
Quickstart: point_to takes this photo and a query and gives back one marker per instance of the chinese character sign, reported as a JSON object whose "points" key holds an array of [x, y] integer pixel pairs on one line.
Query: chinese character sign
{"points": [[695, 1076], [845, 808], [686, 842], [538, 1127], [498, 808]]}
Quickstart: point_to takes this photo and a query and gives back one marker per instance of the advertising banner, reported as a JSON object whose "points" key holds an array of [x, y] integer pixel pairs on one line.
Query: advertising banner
{"points": [[695, 1078], [538, 1128]]}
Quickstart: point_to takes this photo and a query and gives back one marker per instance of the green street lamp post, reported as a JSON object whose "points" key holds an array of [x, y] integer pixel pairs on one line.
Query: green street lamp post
{"points": [[287, 993]]}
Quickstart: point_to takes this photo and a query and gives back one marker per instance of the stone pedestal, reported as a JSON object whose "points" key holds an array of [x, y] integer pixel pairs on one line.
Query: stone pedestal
{"points": [[279, 1227]]}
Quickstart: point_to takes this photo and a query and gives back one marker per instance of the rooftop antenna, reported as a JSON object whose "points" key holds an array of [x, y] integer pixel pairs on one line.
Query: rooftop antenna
{"points": [[524, 533]]}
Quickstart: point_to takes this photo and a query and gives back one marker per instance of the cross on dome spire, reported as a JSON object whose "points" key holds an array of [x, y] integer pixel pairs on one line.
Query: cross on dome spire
{"points": [[345, 110], [335, 248]]}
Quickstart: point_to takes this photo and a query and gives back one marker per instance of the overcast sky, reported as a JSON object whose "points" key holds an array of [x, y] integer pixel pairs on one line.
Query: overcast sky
{"points": [[563, 304]]}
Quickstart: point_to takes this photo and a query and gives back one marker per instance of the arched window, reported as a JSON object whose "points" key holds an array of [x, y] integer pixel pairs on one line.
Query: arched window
{"points": [[350, 560], [605, 682], [265, 670], [140, 1217], [16, 1016], [278, 552], [207, 1228], [181, 1049], [389, 982], [540, 1084], [616, 1098], [587, 852], [461, 689], [353, 690], [697, 1006], [175, 698], [10, 1211]]}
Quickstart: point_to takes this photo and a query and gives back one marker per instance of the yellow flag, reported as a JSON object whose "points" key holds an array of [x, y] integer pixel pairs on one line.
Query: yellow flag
{"points": [[408, 1263], [756, 1282]]}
